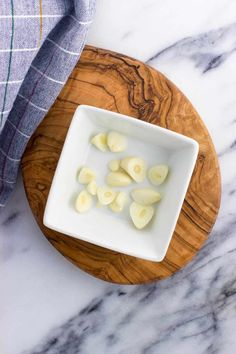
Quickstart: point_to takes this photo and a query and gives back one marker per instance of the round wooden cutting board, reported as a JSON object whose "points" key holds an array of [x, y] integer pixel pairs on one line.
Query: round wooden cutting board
{"points": [[119, 83]]}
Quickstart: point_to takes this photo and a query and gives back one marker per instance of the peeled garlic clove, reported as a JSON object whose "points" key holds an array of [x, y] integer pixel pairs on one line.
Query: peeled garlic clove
{"points": [[118, 179], [83, 202], [92, 188], [116, 141], [105, 195], [100, 141], [145, 196], [135, 167], [86, 175], [157, 174], [118, 204], [141, 215], [114, 165]]}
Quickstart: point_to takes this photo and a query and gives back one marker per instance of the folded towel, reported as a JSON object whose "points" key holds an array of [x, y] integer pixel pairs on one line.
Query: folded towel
{"points": [[41, 42]]}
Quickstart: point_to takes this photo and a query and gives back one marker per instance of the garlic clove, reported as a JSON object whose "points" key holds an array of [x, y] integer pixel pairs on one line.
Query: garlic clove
{"points": [[135, 167], [100, 141], [114, 165], [145, 196], [83, 202], [118, 179], [86, 175], [92, 187], [141, 215], [119, 202], [157, 174], [116, 141], [105, 195]]}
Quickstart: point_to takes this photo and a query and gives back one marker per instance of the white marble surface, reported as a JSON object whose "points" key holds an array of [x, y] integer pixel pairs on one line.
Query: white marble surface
{"points": [[49, 306]]}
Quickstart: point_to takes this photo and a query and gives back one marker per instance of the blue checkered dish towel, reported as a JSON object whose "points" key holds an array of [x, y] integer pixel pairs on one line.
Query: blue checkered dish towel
{"points": [[41, 42]]}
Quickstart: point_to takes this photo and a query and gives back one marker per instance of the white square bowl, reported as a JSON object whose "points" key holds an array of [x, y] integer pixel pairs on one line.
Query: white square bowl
{"points": [[101, 226]]}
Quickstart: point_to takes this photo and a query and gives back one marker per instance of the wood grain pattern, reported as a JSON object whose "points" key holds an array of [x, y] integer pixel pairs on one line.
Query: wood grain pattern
{"points": [[116, 82]]}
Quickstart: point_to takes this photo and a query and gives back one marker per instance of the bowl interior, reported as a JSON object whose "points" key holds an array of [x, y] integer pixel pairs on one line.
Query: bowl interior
{"points": [[101, 226]]}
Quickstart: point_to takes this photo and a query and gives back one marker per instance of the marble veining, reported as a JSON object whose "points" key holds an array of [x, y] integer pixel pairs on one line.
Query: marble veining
{"points": [[47, 305], [11, 218], [207, 50], [190, 310]]}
